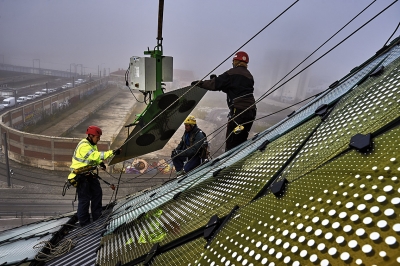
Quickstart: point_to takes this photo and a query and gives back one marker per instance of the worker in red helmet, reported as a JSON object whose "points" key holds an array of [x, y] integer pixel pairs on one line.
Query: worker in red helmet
{"points": [[85, 159], [238, 84]]}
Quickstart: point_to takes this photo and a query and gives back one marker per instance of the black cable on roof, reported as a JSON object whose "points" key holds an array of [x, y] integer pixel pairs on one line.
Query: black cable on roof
{"points": [[392, 35]]}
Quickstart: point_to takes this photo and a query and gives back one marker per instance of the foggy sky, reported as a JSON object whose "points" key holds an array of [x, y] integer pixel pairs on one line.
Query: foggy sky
{"points": [[199, 35]]}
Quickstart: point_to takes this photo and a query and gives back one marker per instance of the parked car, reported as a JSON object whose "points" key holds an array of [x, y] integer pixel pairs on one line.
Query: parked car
{"points": [[69, 85], [64, 87], [8, 102], [31, 97], [44, 91], [22, 99], [38, 94]]}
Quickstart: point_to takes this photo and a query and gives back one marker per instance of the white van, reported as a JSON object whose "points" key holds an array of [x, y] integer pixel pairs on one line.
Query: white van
{"points": [[9, 102], [31, 97], [22, 99]]}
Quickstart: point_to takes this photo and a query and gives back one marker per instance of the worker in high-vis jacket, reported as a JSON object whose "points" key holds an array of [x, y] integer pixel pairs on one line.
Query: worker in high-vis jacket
{"points": [[87, 183]]}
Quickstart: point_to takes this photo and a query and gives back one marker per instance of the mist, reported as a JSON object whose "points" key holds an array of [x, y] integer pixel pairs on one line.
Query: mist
{"points": [[199, 35]]}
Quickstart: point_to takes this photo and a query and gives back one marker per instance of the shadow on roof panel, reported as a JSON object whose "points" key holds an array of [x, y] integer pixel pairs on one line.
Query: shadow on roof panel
{"points": [[182, 255]]}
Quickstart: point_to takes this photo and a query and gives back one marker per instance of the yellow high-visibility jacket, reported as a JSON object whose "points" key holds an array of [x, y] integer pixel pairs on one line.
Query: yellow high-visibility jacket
{"points": [[87, 154]]}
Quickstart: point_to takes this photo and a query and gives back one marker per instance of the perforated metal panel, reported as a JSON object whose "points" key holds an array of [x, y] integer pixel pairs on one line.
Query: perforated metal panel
{"points": [[366, 109], [182, 255], [345, 212], [160, 122], [331, 95]]}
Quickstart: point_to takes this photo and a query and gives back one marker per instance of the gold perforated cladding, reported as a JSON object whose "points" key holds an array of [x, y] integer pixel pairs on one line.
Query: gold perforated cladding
{"points": [[366, 109], [238, 184], [345, 212], [182, 255]]}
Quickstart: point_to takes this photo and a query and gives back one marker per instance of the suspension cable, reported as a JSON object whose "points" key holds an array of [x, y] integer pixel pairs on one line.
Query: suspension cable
{"points": [[266, 94], [263, 96], [392, 34], [128, 139], [322, 45]]}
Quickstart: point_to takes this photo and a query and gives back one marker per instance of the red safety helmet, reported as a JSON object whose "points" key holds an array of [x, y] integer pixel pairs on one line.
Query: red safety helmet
{"points": [[94, 130], [241, 56]]}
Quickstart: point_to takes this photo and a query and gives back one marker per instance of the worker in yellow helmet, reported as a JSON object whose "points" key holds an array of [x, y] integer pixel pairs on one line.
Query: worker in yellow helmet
{"points": [[85, 158], [190, 148]]}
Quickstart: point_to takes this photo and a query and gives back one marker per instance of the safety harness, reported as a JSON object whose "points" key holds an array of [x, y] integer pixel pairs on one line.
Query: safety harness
{"points": [[87, 169]]}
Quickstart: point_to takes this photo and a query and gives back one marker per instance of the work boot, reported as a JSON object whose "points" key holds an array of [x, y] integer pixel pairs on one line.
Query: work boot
{"points": [[179, 173]]}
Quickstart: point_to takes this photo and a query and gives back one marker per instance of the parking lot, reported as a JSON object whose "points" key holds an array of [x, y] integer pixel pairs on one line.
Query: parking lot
{"points": [[28, 87]]}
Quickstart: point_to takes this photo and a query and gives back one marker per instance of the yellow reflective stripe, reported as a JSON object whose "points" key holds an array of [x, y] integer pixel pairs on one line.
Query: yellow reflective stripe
{"points": [[87, 154]]}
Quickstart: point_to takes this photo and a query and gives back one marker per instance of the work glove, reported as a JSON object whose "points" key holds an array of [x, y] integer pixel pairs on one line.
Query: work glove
{"points": [[198, 82], [173, 153], [117, 152], [103, 166], [213, 76]]}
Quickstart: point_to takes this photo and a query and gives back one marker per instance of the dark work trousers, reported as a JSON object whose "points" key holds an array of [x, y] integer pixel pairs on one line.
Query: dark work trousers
{"points": [[89, 193], [192, 163], [246, 120]]}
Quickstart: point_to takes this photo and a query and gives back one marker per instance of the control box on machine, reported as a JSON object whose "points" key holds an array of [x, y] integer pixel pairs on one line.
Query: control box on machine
{"points": [[142, 72]]}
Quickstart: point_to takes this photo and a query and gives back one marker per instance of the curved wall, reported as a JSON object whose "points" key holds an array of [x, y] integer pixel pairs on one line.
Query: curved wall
{"points": [[48, 152]]}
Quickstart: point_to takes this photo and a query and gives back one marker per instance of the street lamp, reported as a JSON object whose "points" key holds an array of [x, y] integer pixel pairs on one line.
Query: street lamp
{"points": [[84, 72], [81, 67], [34, 62], [70, 68], [98, 70]]}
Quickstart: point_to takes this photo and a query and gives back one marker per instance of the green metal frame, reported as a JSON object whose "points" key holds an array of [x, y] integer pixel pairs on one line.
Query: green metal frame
{"points": [[157, 53]]}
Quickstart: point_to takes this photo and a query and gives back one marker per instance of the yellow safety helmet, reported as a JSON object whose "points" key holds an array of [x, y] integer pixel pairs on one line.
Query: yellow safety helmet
{"points": [[190, 120]]}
